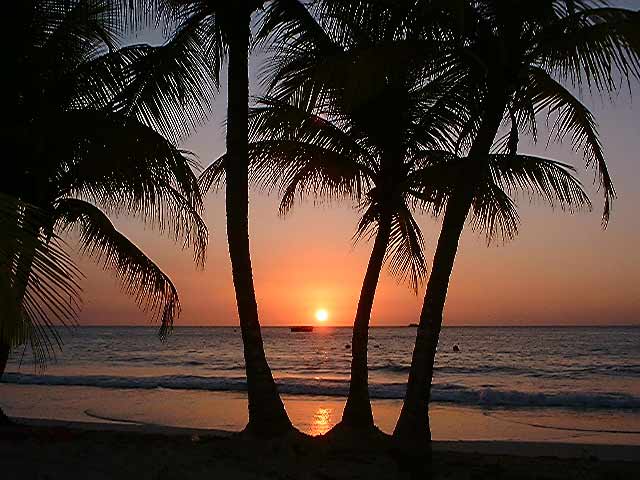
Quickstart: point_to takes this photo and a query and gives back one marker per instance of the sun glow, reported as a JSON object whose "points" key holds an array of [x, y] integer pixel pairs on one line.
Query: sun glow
{"points": [[322, 315]]}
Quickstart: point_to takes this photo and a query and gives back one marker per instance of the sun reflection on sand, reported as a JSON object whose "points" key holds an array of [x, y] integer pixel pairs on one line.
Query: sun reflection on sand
{"points": [[321, 421]]}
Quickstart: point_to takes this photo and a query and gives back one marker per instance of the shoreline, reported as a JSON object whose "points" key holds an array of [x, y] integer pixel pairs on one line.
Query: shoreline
{"points": [[227, 411]]}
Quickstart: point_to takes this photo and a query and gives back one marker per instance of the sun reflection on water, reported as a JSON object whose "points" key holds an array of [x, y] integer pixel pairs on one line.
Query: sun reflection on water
{"points": [[321, 421]]}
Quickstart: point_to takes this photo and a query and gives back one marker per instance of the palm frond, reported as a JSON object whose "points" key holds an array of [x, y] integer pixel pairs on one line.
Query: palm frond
{"points": [[284, 20], [593, 45], [79, 29], [139, 276], [494, 213], [170, 87], [39, 289], [126, 167], [574, 119], [302, 168], [405, 254], [433, 178], [295, 120], [552, 181], [213, 176]]}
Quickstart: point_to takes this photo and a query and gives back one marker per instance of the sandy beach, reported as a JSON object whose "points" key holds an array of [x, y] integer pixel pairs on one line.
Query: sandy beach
{"points": [[53, 449], [106, 433], [313, 415]]}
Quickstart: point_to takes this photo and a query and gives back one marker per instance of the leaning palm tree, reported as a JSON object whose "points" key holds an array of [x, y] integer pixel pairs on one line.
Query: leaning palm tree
{"points": [[203, 36], [516, 57], [81, 153]]}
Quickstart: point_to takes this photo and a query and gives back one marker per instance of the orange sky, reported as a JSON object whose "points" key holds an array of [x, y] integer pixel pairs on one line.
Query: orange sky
{"points": [[561, 269]]}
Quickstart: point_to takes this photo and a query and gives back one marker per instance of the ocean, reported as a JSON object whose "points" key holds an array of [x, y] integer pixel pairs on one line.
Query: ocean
{"points": [[582, 371]]}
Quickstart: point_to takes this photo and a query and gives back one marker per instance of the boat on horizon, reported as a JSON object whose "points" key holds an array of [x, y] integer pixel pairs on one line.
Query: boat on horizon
{"points": [[302, 328], [413, 325]]}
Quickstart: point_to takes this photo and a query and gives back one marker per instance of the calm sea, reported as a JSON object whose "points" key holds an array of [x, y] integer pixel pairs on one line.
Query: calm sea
{"points": [[568, 368]]}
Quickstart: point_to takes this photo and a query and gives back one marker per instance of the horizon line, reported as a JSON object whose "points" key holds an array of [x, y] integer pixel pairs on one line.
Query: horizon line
{"points": [[618, 325]]}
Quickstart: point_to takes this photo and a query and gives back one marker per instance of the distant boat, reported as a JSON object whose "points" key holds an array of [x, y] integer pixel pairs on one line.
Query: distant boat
{"points": [[414, 325], [303, 328]]}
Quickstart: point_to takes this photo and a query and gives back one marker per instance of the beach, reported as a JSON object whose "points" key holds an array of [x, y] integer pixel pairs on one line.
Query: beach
{"points": [[313, 415], [515, 403], [52, 450], [506, 384], [159, 318]]}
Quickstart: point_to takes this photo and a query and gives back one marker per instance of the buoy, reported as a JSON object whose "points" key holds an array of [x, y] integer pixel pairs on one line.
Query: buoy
{"points": [[347, 346]]}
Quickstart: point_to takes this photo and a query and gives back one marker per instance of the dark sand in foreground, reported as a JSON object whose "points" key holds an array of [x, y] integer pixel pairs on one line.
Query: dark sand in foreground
{"points": [[63, 450]]}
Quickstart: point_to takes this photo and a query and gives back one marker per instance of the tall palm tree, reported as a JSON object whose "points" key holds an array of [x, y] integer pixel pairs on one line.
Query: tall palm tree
{"points": [[355, 155], [203, 36], [516, 57], [356, 121], [78, 152]]}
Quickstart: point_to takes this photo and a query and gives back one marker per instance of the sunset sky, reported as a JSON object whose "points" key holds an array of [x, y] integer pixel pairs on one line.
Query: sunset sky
{"points": [[561, 269]]}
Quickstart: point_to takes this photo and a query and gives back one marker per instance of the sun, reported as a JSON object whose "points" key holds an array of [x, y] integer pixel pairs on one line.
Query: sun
{"points": [[322, 315]]}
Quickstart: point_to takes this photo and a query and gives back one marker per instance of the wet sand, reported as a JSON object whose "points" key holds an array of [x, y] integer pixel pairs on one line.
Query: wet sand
{"points": [[314, 415]]}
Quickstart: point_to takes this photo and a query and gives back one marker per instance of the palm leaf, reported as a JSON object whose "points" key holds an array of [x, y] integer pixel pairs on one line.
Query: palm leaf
{"points": [[303, 168], [139, 276], [592, 45], [574, 119], [39, 288], [494, 212], [170, 87], [552, 181], [126, 167], [405, 254]]}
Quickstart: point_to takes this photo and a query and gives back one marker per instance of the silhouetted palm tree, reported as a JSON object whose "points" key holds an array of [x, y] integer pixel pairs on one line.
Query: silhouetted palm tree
{"points": [[516, 57], [78, 150], [205, 35], [361, 120]]}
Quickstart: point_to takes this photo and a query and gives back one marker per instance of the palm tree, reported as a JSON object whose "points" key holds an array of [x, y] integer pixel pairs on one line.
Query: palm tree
{"points": [[377, 143], [515, 57], [80, 150], [204, 35], [303, 153], [322, 133]]}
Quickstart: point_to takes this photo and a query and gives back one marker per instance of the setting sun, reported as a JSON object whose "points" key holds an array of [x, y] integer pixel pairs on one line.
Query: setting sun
{"points": [[322, 315]]}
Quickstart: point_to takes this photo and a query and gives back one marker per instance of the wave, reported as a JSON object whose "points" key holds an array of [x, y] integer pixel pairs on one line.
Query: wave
{"points": [[441, 393], [508, 370]]}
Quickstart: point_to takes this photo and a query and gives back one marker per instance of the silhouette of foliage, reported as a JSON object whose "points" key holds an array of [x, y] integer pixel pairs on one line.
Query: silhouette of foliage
{"points": [[80, 140]]}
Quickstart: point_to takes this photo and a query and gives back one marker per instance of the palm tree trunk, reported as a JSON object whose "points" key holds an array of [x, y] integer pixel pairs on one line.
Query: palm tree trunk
{"points": [[412, 430], [267, 416], [357, 412]]}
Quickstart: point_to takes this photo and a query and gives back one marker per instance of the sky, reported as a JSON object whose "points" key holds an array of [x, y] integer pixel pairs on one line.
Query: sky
{"points": [[561, 269]]}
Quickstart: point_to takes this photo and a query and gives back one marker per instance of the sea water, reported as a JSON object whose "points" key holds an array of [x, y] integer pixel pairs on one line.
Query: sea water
{"points": [[584, 371]]}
